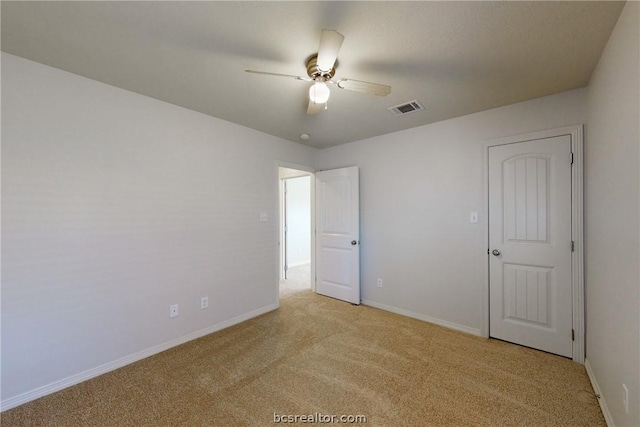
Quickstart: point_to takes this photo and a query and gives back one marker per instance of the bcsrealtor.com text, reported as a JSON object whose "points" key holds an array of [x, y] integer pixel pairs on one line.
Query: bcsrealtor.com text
{"points": [[318, 418]]}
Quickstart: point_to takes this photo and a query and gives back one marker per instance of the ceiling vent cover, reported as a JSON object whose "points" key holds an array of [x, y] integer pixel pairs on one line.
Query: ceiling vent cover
{"points": [[409, 107]]}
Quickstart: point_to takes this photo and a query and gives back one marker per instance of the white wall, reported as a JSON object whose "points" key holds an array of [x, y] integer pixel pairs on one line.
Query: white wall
{"points": [[612, 214], [417, 188], [114, 206], [299, 221]]}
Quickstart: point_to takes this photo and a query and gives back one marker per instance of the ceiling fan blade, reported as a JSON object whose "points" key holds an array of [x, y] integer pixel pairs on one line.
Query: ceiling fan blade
{"points": [[315, 108], [364, 87], [306, 79], [330, 43]]}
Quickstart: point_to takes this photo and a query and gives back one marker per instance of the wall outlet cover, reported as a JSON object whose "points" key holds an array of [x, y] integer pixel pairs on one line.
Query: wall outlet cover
{"points": [[173, 310]]}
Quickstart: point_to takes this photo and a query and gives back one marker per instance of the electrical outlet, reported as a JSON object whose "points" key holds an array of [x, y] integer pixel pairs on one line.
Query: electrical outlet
{"points": [[379, 283], [204, 302], [625, 398], [173, 310]]}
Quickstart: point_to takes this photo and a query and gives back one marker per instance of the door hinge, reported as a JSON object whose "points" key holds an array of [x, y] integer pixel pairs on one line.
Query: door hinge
{"points": [[571, 158], [573, 246], [573, 335]]}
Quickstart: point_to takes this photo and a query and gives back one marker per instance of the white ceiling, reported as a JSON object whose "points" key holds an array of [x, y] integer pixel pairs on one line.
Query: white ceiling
{"points": [[454, 57]]}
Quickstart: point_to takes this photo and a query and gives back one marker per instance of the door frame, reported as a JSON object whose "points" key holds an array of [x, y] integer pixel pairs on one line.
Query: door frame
{"points": [[577, 233], [310, 171]]}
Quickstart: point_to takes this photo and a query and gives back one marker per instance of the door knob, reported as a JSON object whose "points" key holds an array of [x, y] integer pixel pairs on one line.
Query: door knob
{"points": [[353, 242], [496, 252]]}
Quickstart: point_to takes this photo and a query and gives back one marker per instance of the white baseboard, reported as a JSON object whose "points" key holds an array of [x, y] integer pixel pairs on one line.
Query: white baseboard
{"points": [[596, 389], [403, 312], [28, 396]]}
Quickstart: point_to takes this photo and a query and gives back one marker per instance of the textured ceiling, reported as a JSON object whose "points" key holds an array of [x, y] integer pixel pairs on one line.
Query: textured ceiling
{"points": [[454, 57]]}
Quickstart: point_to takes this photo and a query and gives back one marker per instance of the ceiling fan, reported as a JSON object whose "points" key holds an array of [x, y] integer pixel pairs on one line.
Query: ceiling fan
{"points": [[321, 68]]}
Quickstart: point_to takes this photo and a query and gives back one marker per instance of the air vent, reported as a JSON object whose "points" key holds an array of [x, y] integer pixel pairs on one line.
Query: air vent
{"points": [[409, 107]]}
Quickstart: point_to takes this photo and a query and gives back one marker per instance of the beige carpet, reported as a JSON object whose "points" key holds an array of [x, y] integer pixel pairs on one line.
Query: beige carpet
{"points": [[319, 355], [298, 278]]}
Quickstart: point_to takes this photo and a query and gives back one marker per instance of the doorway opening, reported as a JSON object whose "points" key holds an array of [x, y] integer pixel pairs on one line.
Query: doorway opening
{"points": [[296, 237]]}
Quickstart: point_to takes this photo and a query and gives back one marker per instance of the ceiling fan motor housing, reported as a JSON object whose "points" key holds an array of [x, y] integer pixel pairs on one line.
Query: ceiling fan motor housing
{"points": [[314, 72]]}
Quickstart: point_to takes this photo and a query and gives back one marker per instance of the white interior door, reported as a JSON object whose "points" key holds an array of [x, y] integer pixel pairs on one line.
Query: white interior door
{"points": [[338, 234], [530, 282]]}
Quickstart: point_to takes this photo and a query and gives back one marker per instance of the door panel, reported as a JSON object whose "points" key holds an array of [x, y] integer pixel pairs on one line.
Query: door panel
{"points": [[526, 191], [530, 225], [526, 293], [337, 227]]}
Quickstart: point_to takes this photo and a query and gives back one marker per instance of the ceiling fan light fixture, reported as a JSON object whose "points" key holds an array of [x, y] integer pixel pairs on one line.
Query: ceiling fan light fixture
{"points": [[319, 93]]}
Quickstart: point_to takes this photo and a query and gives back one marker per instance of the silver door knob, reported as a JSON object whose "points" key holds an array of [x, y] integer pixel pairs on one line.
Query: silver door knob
{"points": [[353, 242], [496, 252]]}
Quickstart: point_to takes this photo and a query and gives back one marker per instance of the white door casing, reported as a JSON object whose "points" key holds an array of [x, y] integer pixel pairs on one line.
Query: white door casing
{"points": [[285, 232], [338, 234], [530, 224]]}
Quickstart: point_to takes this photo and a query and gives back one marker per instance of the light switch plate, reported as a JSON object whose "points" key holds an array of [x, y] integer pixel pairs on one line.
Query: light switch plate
{"points": [[263, 216], [473, 218]]}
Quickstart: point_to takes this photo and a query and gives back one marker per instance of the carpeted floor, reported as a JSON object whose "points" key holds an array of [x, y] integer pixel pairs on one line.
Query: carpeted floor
{"points": [[298, 278], [319, 355]]}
